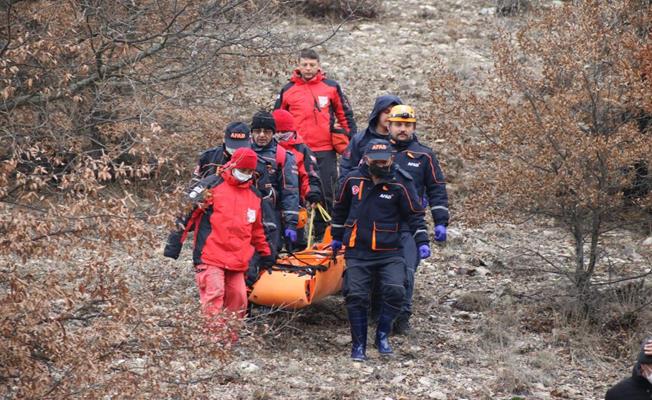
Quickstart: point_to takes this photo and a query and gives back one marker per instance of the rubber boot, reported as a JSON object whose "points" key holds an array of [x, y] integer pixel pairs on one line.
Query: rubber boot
{"points": [[358, 321], [402, 324], [382, 334]]}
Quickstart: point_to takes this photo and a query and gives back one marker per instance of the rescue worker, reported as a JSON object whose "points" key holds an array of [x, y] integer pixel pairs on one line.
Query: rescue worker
{"points": [[377, 129], [323, 118], [421, 163], [226, 241], [372, 202], [310, 189], [236, 135], [639, 385], [282, 171]]}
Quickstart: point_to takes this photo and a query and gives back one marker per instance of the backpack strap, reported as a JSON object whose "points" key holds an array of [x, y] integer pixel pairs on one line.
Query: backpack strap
{"points": [[281, 155]]}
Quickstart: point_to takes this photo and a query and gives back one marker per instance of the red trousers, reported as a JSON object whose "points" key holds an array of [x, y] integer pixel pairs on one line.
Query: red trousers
{"points": [[221, 289]]}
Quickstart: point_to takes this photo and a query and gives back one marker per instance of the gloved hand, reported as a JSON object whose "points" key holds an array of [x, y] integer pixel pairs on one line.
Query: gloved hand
{"points": [[336, 246], [440, 233], [424, 251], [291, 234], [313, 197], [267, 261]]}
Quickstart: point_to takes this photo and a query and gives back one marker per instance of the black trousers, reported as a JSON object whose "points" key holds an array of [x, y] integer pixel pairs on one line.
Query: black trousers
{"points": [[359, 275], [327, 164]]}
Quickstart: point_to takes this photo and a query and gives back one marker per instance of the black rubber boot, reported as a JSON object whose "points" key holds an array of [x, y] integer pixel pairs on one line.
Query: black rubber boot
{"points": [[382, 334], [358, 321], [402, 325]]}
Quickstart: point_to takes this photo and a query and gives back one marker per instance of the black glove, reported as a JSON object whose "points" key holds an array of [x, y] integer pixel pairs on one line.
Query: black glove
{"points": [[313, 197], [173, 245], [267, 261]]}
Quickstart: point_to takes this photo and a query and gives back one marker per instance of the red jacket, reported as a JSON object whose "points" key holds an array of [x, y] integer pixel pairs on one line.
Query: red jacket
{"points": [[315, 105], [235, 225], [309, 180]]}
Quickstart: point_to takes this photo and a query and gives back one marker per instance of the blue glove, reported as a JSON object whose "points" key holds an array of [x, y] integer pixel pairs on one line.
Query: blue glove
{"points": [[336, 245], [424, 251], [440, 233], [291, 234], [424, 202]]}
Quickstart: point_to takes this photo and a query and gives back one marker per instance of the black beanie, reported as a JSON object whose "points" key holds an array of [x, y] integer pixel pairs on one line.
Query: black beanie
{"points": [[263, 120]]}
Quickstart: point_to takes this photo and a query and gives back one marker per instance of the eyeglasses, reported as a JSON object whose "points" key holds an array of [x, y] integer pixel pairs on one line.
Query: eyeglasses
{"points": [[260, 131]]}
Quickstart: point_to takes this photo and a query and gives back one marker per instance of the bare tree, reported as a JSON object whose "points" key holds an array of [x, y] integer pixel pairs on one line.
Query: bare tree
{"points": [[99, 100], [559, 126]]}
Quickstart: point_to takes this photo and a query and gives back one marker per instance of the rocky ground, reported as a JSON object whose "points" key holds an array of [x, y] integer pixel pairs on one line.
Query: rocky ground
{"points": [[484, 323]]}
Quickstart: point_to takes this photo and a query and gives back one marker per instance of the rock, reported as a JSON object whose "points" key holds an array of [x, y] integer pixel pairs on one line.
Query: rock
{"points": [[425, 381], [648, 242], [488, 11], [397, 379], [437, 395], [343, 340], [482, 271], [248, 367]]}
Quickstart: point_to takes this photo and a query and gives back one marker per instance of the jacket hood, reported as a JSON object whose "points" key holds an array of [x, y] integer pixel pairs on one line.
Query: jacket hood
{"points": [[382, 102], [297, 79]]}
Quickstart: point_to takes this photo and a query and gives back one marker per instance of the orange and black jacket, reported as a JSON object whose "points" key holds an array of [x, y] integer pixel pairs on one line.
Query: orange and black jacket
{"points": [[367, 218], [315, 106]]}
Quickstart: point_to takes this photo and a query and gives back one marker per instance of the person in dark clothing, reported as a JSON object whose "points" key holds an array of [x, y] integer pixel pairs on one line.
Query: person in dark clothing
{"points": [[639, 385], [352, 156], [421, 163], [372, 202], [377, 129], [310, 187], [282, 171]]}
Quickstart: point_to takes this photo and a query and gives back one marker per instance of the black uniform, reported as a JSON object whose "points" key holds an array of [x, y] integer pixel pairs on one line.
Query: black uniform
{"points": [[367, 219], [637, 387], [421, 163]]}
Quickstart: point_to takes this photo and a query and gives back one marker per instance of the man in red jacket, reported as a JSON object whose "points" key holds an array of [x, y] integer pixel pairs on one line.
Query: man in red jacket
{"points": [[227, 244], [322, 115]]}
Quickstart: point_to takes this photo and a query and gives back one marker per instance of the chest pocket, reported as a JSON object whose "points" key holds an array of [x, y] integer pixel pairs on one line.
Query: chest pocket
{"points": [[385, 236]]}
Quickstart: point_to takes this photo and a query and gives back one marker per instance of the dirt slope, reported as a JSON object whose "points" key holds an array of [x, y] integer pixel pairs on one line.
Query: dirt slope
{"points": [[478, 332]]}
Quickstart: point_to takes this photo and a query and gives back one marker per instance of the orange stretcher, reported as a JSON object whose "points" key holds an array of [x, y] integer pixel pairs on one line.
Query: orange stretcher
{"points": [[299, 279]]}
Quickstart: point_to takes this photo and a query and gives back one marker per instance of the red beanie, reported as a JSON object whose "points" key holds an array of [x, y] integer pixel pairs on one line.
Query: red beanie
{"points": [[284, 121], [244, 158]]}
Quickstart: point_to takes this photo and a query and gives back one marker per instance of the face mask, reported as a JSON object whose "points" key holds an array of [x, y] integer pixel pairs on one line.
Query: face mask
{"points": [[381, 172], [240, 176], [283, 136]]}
